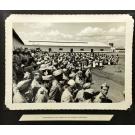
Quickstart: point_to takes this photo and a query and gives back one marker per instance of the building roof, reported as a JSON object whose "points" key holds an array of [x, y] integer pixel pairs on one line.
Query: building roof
{"points": [[64, 43], [17, 37], [61, 43]]}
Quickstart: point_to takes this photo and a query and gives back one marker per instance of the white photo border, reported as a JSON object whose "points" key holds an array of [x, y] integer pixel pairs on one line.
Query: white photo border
{"points": [[19, 18]]}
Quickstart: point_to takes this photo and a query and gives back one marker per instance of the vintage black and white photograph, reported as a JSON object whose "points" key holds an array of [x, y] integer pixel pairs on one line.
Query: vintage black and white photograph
{"points": [[69, 61]]}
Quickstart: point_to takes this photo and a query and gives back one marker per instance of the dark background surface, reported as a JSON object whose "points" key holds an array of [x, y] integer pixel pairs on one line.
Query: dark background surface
{"points": [[12, 117]]}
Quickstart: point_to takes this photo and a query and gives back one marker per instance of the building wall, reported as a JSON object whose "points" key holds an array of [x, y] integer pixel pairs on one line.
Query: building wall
{"points": [[75, 48], [17, 43]]}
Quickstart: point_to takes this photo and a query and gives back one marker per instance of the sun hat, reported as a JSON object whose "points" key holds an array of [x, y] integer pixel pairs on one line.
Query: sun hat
{"points": [[71, 82], [50, 67], [89, 66], [87, 85], [42, 67], [72, 75], [64, 70], [47, 77], [57, 72], [38, 63]]}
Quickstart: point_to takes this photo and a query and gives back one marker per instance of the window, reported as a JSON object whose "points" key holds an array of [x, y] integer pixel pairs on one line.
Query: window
{"points": [[92, 50], [101, 49], [60, 49], [81, 49]]}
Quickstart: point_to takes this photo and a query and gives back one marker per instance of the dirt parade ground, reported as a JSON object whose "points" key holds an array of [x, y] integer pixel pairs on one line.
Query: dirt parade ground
{"points": [[113, 75]]}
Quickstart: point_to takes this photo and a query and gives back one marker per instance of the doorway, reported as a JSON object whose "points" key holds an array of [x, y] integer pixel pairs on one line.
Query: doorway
{"points": [[92, 50], [71, 50], [50, 49]]}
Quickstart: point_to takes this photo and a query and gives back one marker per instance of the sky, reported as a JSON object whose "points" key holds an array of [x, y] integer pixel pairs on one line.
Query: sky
{"points": [[105, 32]]}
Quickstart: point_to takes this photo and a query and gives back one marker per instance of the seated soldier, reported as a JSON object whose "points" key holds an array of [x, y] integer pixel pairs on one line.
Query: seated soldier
{"points": [[88, 95], [101, 97], [67, 93], [35, 85], [41, 96], [21, 88], [80, 94]]}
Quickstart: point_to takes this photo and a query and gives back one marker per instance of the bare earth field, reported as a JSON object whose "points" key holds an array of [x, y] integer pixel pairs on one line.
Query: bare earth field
{"points": [[113, 75]]}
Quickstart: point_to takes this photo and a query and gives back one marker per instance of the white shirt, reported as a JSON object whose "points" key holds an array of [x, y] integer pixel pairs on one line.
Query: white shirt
{"points": [[66, 96], [41, 95], [98, 98], [19, 98]]}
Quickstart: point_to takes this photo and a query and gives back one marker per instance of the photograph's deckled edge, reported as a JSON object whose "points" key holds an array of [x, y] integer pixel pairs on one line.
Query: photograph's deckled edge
{"points": [[70, 106]]}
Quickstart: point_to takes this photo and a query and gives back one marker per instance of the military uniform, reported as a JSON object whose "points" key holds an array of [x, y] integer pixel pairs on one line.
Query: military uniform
{"points": [[41, 96], [66, 96], [100, 98], [55, 91]]}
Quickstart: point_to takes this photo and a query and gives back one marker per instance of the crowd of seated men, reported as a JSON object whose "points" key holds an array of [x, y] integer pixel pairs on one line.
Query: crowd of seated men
{"points": [[45, 77]]}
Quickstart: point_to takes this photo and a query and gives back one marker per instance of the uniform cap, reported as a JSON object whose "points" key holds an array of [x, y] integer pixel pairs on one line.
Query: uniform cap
{"points": [[47, 77], [64, 70], [87, 85], [71, 82], [72, 75], [57, 72], [38, 63], [42, 67]]}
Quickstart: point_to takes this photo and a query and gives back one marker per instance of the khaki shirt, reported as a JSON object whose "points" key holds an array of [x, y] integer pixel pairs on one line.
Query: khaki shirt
{"points": [[55, 91], [66, 96]]}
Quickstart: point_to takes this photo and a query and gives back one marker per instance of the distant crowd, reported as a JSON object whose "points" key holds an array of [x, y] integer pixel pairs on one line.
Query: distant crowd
{"points": [[49, 77]]}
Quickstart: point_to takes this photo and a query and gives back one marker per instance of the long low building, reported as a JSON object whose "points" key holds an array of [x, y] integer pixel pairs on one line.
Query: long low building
{"points": [[72, 47], [61, 46]]}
